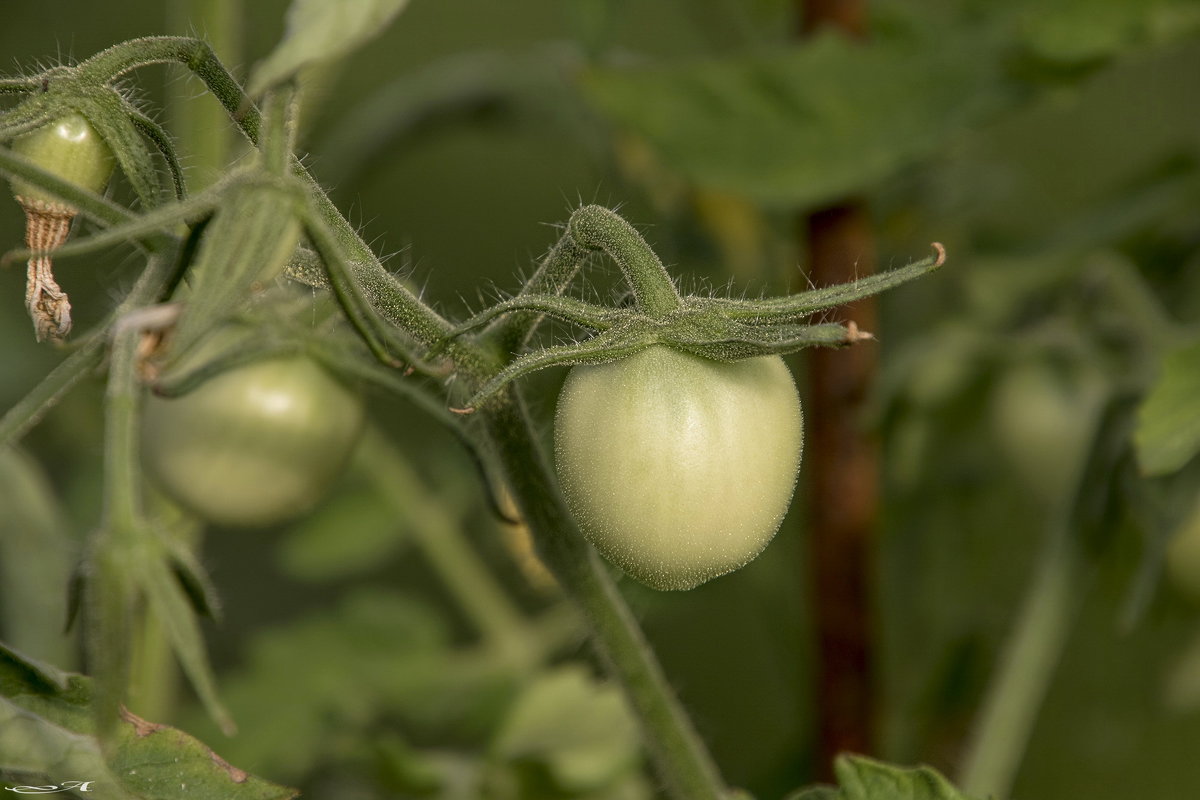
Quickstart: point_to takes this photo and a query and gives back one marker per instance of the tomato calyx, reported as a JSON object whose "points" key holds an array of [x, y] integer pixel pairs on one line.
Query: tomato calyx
{"points": [[718, 328]]}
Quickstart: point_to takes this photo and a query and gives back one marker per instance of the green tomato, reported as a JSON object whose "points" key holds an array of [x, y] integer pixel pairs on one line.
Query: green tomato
{"points": [[72, 150], [1043, 419], [1183, 556], [678, 468], [254, 445]]}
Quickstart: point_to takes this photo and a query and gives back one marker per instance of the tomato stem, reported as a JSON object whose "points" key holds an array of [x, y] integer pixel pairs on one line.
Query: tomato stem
{"points": [[678, 753], [1027, 666], [440, 538], [599, 228]]}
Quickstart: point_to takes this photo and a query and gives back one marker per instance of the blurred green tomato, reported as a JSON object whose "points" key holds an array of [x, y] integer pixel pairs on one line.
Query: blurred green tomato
{"points": [[255, 445], [1043, 423], [1183, 556]]}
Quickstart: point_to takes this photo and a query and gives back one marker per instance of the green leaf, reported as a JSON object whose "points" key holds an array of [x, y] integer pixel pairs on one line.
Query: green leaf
{"points": [[329, 676], [804, 125], [37, 556], [356, 531], [321, 30], [1081, 31], [170, 605], [866, 779], [1168, 431], [583, 732], [816, 793], [47, 738], [862, 778]]}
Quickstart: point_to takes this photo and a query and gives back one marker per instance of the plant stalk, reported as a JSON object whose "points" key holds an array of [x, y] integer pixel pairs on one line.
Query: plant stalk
{"points": [[440, 538], [1016, 694], [679, 756], [202, 128]]}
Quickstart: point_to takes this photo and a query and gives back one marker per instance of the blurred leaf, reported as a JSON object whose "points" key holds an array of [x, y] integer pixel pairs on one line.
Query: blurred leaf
{"points": [[816, 793], [46, 737], [1183, 678], [170, 605], [866, 779], [1079, 31], [583, 732], [1168, 432], [322, 30], [36, 559], [1183, 555], [804, 125], [326, 677], [354, 532]]}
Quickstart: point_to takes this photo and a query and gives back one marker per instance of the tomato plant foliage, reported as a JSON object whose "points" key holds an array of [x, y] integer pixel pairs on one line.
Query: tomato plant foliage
{"points": [[391, 643]]}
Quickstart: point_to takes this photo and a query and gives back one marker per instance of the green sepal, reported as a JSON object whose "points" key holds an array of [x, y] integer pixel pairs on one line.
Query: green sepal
{"points": [[246, 245], [795, 307], [109, 112]]}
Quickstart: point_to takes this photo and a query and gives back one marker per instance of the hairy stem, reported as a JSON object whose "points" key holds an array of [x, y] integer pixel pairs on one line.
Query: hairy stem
{"points": [[440, 538], [680, 757], [202, 128], [398, 303], [599, 228]]}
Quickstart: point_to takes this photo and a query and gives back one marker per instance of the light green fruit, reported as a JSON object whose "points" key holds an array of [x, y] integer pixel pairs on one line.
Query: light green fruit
{"points": [[1043, 422], [255, 445], [677, 468], [71, 149], [1183, 556]]}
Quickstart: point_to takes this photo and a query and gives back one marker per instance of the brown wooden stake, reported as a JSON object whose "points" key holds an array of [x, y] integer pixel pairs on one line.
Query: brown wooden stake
{"points": [[843, 492], [843, 461]]}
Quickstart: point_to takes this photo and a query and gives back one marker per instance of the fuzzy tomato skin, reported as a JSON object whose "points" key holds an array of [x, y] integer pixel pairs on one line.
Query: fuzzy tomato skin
{"points": [[255, 445], [678, 468]]}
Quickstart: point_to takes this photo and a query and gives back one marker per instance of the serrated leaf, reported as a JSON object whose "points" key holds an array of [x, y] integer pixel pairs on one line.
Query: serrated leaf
{"points": [[582, 731], [321, 30], [866, 779], [46, 732], [1168, 430], [803, 125]]}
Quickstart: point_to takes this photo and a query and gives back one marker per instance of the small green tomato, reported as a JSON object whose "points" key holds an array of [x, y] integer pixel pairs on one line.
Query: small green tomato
{"points": [[1183, 556], [72, 150], [678, 468], [255, 445]]}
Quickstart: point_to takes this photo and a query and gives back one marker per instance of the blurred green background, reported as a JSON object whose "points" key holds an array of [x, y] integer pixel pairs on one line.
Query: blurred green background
{"points": [[1052, 147]]}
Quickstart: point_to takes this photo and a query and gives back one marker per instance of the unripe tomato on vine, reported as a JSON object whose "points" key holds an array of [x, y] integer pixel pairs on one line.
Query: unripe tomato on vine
{"points": [[71, 149], [254, 445], [679, 468]]}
